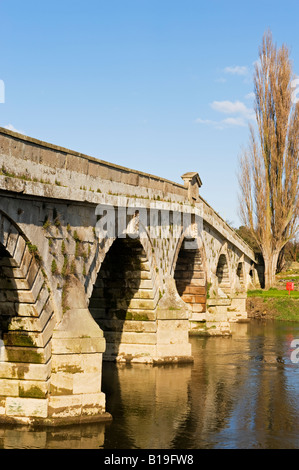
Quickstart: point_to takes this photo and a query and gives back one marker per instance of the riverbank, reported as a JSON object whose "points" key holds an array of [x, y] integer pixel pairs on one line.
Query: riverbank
{"points": [[276, 303], [267, 307]]}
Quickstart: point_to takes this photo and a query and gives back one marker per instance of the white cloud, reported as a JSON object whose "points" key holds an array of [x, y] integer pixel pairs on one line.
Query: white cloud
{"points": [[236, 70], [237, 121], [229, 107], [204, 121], [224, 123], [250, 96], [209, 122], [238, 112], [236, 107], [10, 127]]}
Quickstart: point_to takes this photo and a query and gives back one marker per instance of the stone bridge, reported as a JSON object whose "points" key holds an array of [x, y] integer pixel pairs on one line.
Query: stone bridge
{"points": [[98, 261]]}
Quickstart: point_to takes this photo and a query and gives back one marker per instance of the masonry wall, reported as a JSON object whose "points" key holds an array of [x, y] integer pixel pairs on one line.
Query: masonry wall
{"points": [[52, 194]]}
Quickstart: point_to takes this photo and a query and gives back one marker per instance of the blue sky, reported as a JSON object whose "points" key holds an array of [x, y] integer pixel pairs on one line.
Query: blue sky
{"points": [[161, 86]]}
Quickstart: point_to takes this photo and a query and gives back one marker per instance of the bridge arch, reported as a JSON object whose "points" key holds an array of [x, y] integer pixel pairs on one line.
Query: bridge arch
{"points": [[189, 269], [223, 272], [104, 245], [124, 299], [241, 275], [25, 301], [27, 320]]}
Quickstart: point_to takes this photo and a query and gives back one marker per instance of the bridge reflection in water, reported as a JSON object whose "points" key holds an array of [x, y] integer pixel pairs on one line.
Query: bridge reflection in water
{"points": [[241, 392]]}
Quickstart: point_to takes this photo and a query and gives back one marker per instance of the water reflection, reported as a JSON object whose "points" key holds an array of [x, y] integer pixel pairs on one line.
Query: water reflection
{"points": [[151, 403], [87, 436], [244, 393], [241, 392]]}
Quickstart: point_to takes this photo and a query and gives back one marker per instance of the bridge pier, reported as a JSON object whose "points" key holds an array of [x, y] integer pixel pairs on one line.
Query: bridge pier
{"points": [[76, 375], [60, 383], [172, 327]]}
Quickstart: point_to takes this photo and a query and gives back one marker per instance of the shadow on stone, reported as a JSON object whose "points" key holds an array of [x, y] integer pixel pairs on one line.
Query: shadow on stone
{"points": [[116, 297]]}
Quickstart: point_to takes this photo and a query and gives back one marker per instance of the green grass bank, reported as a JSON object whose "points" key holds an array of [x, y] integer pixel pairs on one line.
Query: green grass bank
{"points": [[273, 303]]}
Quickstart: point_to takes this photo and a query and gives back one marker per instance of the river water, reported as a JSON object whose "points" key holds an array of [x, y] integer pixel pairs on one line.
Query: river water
{"points": [[241, 392]]}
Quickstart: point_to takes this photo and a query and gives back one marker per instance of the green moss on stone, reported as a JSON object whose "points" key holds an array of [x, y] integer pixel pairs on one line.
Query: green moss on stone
{"points": [[15, 338], [32, 392]]}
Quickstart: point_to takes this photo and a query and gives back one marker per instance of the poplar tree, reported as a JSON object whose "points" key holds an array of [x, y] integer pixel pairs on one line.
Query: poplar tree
{"points": [[269, 167]]}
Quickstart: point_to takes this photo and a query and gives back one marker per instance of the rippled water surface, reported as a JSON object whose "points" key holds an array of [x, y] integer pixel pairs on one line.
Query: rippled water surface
{"points": [[240, 392]]}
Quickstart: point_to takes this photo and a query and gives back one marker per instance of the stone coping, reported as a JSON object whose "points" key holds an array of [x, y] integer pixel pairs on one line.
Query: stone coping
{"points": [[64, 150]]}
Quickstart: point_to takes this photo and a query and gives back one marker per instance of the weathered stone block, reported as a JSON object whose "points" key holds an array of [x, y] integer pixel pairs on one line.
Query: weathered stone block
{"points": [[34, 388], [197, 317], [14, 284], [218, 302], [9, 388], [218, 316], [25, 324], [140, 326], [140, 314], [26, 263], [31, 153], [173, 353], [16, 148], [77, 363], [139, 352], [143, 275], [51, 158], [239, 303], [27, 296], [93, 404], [27, 407], [219, 328], [2, 405], [144, 294], [37, 285], [31, 274], [27, 354], [172, 331], [198, 308], [28, 338], [145, 284], [43, 297], [5, 146], [78, 345], [7, 309], [25, 371], [4, 233], [12, 240], [26, 310], [77, 164], [65, 406], [19, 251], [140, 304], [131, 337], [61, 384], [87, 383]]}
